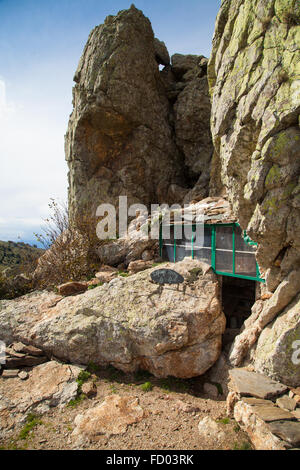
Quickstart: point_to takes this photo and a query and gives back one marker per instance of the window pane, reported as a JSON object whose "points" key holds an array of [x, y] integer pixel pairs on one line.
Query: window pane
{"points": [[203, 254], [182, 251], [168, 252], [224, 237], [240, 244], [202, 237], [168, 234], [245, 264], [224, 261]]}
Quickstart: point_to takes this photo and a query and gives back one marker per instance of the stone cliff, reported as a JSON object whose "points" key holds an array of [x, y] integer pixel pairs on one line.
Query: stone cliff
{"points": [[136, 130], [254, 79]]}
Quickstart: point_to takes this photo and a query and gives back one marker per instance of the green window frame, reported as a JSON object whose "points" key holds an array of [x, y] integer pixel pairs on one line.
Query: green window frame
{"points": [[247, 240]]}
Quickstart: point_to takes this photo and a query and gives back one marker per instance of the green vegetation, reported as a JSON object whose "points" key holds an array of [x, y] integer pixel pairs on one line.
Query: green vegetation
{"points": [[93, 368], [17, 262], [31, 421], [194, 273], [83, 376], [14, 254], [76, 401], [219, 387], [245, 445], [123, 274], [93, 286], [174, 384], [147, 387], [223, 420], [236, 428], [113, 389], [12, 445]]}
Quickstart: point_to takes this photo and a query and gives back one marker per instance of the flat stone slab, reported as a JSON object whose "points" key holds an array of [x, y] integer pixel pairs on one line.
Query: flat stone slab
{"points": [[286, 403], [257, 385], [27, 349], [257, 401], [296, 413], [287, 430], [10, 374], [272, 413]]}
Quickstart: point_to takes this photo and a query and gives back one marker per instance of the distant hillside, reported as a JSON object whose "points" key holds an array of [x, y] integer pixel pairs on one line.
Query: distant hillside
{"points": [[13, 254]]}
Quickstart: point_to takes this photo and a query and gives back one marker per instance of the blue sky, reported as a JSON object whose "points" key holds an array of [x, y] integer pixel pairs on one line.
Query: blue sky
{"points": [[41, 42]]}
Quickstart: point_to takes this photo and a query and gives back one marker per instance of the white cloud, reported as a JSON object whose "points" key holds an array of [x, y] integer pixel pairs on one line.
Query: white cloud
{"points": [[32, 165], [6, 109]]}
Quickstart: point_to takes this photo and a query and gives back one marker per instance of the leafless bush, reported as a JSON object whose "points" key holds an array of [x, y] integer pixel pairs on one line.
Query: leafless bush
{"points": [[70, 248]]}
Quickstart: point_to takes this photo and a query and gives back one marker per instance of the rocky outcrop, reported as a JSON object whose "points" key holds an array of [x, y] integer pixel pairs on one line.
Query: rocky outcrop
{"points": [[112, 417], [130, 323], [19, 355], [48, 385], [270, 426], [187, 88], [254, 83], [134, 130], [278, 347]]}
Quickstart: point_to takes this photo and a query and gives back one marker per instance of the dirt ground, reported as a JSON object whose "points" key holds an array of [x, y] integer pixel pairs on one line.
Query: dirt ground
{"points": [[164, 427]]}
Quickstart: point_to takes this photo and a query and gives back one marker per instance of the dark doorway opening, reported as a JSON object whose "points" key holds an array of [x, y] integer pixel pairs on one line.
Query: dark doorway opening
{"points": [[238, 297]]}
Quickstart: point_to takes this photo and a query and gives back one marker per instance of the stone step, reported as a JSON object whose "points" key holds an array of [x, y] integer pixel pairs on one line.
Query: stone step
{"points": [[248, 383], [26, 361], [287, 430]]}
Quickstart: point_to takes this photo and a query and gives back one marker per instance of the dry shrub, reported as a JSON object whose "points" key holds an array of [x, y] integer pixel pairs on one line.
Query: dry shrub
{"points": [[70, 254]]}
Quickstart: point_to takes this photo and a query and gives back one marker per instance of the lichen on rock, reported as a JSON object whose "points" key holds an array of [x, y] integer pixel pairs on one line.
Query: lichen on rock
{"points": [[129, 323], [254, 80]]}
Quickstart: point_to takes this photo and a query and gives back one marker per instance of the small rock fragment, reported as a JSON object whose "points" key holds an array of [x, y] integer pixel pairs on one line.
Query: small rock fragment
{"points": [[208, 428], [286, 403], [210, 389], [10, 374], [89, 389], [186, 407], [23, 375], [71, 288]]}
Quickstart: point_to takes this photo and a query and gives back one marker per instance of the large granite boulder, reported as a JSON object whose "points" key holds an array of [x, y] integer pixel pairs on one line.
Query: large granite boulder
{"points": [[254, 82], [130, 323], [278, 347], [121, 138]]}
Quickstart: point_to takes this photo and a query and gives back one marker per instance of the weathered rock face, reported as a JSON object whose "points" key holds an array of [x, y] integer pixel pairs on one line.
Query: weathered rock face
{"points": [[50, 384], [129, 323], [255, 88], [278, 347], [121, 136], [187, 88], [254, 82], [270, 426]]}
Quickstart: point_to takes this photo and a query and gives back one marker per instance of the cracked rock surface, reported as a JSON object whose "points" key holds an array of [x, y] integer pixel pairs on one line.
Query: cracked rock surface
{"points": [[253, 74], [129, 323]]}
